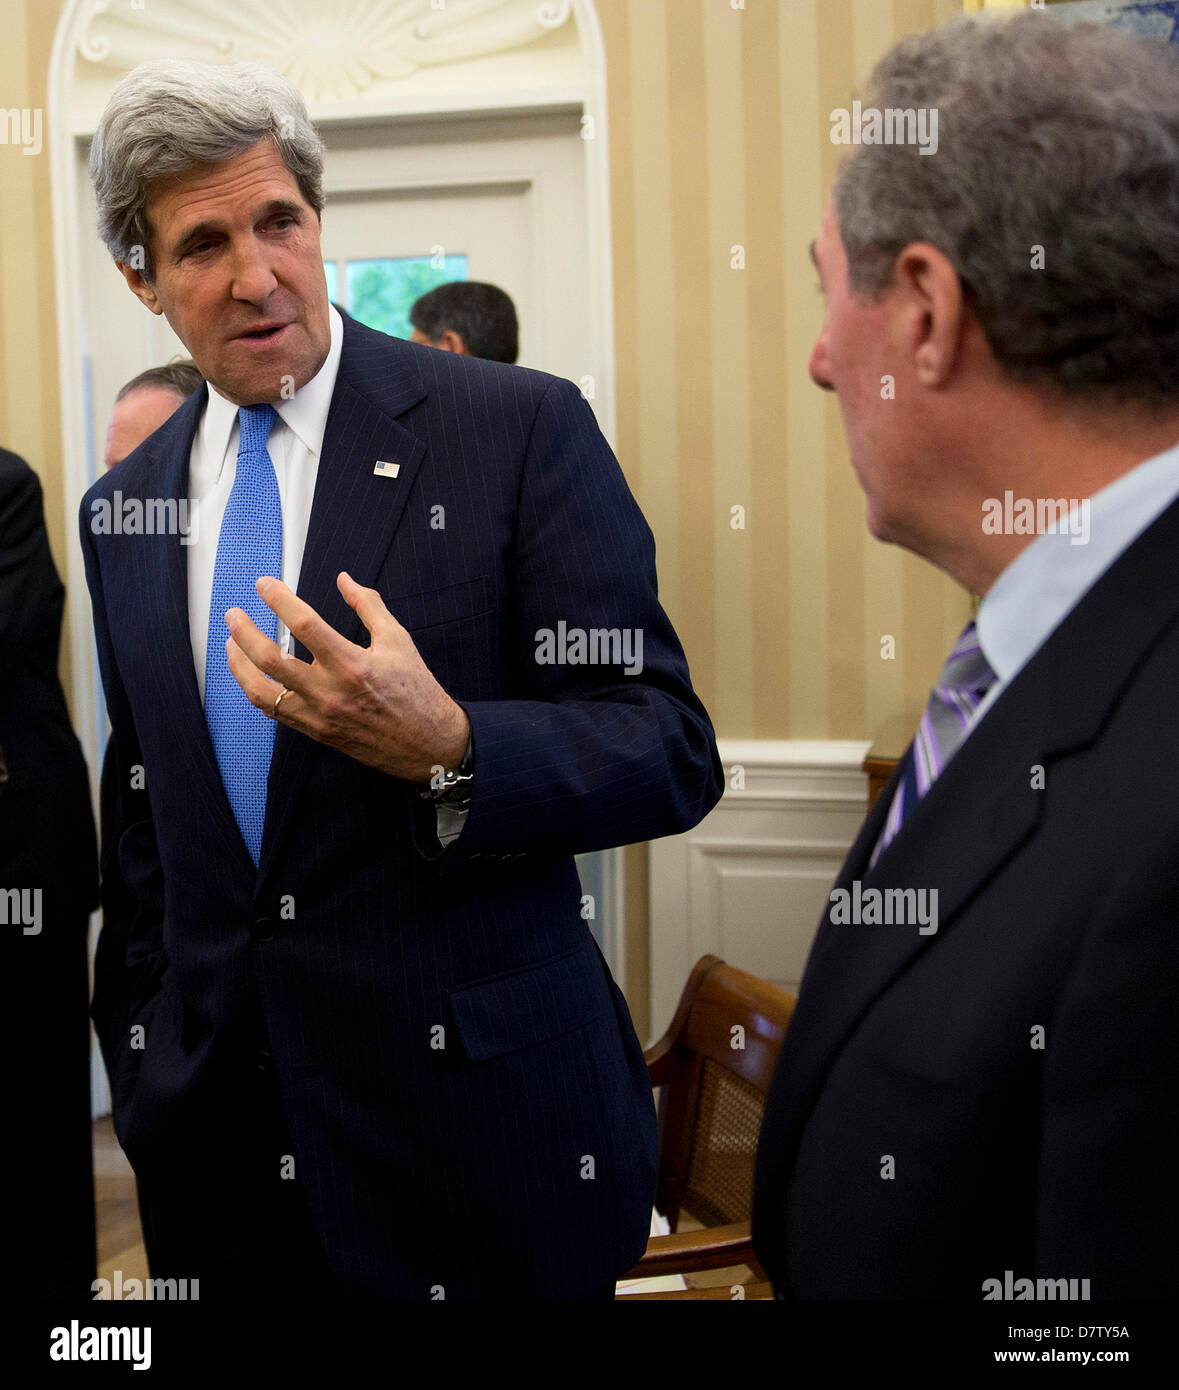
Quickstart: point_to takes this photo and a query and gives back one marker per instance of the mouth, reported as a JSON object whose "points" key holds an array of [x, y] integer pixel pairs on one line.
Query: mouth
{"points": [[263, 335]]}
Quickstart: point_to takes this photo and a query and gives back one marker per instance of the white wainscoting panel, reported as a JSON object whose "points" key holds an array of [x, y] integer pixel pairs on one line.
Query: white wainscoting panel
{"points": [[750, 882]]}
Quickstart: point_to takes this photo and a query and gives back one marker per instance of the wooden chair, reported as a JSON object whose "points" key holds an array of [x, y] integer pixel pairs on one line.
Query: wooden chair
{"points": [[710, 1112]]}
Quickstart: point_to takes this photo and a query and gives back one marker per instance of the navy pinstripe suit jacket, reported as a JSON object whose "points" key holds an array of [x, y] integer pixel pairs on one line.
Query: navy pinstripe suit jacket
{"points": [[464, 1089]]}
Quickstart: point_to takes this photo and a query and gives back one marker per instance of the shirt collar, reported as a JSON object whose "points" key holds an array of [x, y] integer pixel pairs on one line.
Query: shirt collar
{"points": [[1048, 578], [305, 412]]}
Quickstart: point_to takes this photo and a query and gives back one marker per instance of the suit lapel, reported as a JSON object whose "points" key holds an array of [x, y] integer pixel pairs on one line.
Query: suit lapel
{"points": [[856, 862], [164, 473], [974, 817], [354, 515], [978, 813]]}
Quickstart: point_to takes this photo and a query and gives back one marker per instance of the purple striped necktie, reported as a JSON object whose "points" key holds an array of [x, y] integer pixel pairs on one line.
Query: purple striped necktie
{"points": [[961, 688]]}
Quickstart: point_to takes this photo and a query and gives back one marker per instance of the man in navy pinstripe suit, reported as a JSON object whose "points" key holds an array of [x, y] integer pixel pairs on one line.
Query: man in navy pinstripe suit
{"points": [[369, 1045]]}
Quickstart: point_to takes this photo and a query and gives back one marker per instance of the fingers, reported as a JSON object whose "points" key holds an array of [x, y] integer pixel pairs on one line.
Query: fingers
{"points": [[262, 653], [367, 604], [257, 688], [320, 638]]}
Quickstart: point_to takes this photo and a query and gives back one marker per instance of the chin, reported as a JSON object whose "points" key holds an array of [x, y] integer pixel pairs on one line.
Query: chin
{"points": [[880, 526], [265, 383]]}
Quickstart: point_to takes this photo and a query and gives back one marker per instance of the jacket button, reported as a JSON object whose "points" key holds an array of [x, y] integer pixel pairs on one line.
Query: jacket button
{"points": [[263, 929], [265, 1060]]}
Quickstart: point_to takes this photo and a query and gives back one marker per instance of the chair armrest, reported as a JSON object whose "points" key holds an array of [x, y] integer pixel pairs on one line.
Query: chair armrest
{"points": [[662, 1062], [715, 1247], [723, 1293]]}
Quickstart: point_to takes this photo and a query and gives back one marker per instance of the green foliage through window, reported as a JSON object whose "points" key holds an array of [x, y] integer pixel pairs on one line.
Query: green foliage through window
{"points": [[380, 293]]}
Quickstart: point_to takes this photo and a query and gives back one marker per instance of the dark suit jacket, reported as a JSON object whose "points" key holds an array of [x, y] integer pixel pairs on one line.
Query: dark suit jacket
{"points": [[46, 846], [1058, 909], [45, 816], [465, 1092]]}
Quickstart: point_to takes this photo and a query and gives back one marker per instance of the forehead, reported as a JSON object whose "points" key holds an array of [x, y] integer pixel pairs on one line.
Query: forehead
{"points": [[221, 189], [145, 399], [828, 242], [144, 403]]}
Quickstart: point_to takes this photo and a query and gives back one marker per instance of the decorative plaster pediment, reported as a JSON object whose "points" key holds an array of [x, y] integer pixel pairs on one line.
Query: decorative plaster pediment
{"points": [[332, 50]]}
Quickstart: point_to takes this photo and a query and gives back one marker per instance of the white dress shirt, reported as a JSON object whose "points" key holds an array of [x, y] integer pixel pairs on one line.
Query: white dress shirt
{"points": [[1048, 578], [294, 445]]}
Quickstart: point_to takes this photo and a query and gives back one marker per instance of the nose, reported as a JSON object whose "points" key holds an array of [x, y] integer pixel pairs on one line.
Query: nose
{"points": [[253, 278], [819, 366]]}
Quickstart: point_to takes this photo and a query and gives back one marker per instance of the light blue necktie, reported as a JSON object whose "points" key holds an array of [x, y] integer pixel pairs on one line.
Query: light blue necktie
{"points": [[249, 546], [960, 690]]}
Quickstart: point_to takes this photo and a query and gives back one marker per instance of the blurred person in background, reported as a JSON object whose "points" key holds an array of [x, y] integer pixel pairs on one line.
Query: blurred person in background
{"points": [[146, 401], [467, 317], [140, 408], [48, 888]]}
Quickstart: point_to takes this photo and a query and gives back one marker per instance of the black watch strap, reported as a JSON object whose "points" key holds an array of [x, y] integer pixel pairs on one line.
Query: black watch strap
{"points": [[454, 789]]}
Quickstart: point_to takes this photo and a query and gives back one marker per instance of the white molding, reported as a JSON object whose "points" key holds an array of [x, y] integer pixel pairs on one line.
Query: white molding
{"points": [[600, 271], [557, 99], [768, 848], [785, 756], [515, 180], [70, 352], [748, 883], [819, 773], [614, 935]]}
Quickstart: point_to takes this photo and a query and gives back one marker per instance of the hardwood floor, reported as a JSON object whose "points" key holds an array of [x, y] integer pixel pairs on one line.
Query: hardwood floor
{"points": [[120, 1240]]}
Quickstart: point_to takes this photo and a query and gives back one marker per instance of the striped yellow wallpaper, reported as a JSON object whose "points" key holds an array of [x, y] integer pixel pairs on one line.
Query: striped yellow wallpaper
{"points": [[30, 413], [721, 163]]}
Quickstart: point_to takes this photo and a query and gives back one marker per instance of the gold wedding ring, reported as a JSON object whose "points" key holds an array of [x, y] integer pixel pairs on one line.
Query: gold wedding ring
{"points": [[278, 701]]}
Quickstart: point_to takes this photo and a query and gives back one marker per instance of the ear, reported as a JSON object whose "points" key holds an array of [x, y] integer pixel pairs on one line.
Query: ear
{"points": [[452, 342], [931, 305], [140, 288]]}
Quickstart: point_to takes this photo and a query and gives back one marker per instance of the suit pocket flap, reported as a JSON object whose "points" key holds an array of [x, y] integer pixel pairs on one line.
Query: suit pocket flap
{"points": [[466, 599], [529, 1006]]}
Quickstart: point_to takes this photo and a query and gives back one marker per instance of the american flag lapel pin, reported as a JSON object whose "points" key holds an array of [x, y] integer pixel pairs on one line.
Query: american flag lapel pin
{"points": [[386, 470]]}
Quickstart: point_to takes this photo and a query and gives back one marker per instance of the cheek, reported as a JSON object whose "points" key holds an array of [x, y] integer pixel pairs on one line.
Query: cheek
{"points": [[307, 259], [858, 359], [187, 305]]}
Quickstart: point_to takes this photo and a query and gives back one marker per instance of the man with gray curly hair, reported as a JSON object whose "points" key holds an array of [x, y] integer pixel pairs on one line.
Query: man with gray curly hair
{"points": [[360, 1036], [977, 1090]]}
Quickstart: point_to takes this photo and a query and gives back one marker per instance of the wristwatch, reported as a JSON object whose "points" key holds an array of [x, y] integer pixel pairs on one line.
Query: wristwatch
{"points": [[454, 789]]}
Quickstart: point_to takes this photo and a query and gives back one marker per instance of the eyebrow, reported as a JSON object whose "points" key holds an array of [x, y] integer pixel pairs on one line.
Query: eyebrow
{"points": [[193, 235]]}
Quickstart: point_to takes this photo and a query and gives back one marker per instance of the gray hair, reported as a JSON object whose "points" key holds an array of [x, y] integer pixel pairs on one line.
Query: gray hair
{"points": [[1051, 135], [181, 376], [165, 117]]}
